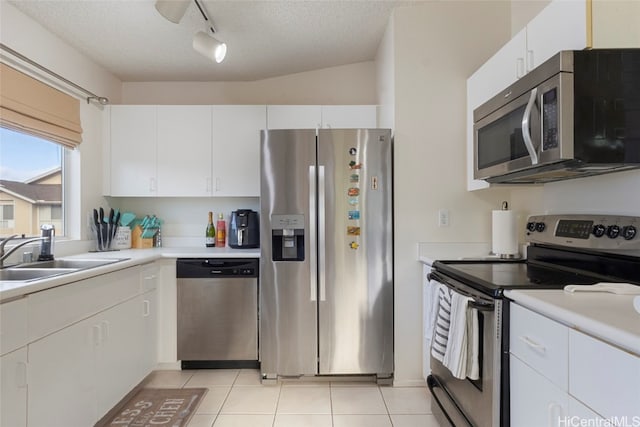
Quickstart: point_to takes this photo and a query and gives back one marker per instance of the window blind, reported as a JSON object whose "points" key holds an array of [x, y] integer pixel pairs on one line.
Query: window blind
{"points": [[27, 105]]}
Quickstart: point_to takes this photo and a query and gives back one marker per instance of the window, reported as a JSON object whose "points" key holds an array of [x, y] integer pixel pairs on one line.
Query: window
{"points": [[31, 184]]}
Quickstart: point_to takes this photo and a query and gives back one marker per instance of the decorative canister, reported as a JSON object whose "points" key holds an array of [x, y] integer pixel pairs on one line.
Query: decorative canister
{"points": [[122, 239]]}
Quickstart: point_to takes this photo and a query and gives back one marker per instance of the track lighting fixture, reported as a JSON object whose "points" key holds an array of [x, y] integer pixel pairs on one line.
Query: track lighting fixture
{"points": [[173, 10], [208, 46], [203, 42]]}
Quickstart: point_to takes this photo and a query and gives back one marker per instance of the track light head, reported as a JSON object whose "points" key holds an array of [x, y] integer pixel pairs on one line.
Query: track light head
{"points": [[208, 46]]}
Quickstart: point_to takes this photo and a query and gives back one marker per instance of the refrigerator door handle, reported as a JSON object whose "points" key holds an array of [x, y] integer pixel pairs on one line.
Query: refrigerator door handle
{"points": [[313, 253], [321, 232]]}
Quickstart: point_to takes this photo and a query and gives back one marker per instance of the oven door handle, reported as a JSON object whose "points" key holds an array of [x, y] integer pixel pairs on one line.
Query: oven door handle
{"points": [[479, 305], [482, 306]]}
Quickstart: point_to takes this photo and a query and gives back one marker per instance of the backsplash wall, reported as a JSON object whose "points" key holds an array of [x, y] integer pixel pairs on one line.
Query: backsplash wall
{"points": [[184, 220]]}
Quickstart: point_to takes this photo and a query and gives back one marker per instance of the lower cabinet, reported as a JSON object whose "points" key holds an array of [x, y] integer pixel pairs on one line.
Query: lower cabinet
{"points": [[77, 374], [13, 388], [561, 376]]}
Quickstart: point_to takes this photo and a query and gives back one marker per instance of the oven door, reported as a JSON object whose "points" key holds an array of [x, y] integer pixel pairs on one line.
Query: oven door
{"points": [[469, 402]]}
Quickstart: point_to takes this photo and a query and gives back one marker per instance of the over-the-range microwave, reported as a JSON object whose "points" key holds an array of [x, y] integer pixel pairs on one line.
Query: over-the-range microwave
{"points": [[577, 114]]}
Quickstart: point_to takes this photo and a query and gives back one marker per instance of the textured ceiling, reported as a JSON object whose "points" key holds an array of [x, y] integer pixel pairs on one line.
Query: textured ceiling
{"points": [[264, 38]]}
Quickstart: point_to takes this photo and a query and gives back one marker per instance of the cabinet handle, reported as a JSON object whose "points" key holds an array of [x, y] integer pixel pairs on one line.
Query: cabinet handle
{"points": [[208, 185], [105, 330], [530, 64], [21, 375], [151, 277], [519, 67], [97, 335], [554, 421], [152, 185], [534, 345], [217, 184], [146, 308]]}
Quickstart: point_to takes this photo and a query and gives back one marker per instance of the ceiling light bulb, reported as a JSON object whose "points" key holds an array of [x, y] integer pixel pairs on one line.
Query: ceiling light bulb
{"points": [[173, 10], [210, 47]]}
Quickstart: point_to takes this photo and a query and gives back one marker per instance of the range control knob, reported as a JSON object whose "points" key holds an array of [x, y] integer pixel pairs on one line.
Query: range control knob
{"points": [[540, 226], [629, 232], [613, 231], [531, 226], [598, 230]]}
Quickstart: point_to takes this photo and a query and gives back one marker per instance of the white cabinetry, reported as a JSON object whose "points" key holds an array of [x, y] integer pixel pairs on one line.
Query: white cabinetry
{"points": [[294, 116], [13, 363], [97, 344], [13, 388], [149, 278], [184, 150], [349, 116], [557, 373], [236, 149], [133, 150], [325, 116]]}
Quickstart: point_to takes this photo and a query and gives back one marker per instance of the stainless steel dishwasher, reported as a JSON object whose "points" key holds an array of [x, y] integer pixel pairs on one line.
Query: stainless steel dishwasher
{"points": [[217, 312]]}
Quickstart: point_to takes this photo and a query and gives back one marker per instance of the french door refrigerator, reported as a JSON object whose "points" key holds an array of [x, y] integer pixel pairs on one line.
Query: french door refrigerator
{"points": [[326, 276]]}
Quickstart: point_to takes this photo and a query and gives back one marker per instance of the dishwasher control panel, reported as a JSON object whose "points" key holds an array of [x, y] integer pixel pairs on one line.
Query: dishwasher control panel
{"points": [[194, 268]]}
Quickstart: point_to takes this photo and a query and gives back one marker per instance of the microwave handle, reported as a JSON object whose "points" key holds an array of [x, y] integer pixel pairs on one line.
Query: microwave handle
{"points": [[526, 134]]}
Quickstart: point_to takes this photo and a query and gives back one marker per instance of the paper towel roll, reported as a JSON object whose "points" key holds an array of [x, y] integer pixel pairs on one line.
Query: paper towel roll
{"points": [[504, 233]]}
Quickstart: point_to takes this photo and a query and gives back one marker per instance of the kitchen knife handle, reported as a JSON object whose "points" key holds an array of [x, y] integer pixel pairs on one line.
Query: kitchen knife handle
{"points": [[321, 232], [313, 251]]}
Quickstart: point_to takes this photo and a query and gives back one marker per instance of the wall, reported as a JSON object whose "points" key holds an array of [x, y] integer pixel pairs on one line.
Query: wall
{"points": [[385, 78], [436, 46], [29, 38], [347, 84], [522, 11]]}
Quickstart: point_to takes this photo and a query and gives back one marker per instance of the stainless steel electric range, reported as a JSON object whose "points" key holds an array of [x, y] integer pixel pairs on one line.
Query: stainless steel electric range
{"points": [[563, 250]]}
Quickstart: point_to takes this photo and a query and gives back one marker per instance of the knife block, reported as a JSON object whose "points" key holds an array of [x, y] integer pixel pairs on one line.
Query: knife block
{"points": [[137, 241]]}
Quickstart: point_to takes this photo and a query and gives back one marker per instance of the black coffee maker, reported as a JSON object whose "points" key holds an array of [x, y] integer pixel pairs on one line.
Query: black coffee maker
{"points": [[244, 229]]}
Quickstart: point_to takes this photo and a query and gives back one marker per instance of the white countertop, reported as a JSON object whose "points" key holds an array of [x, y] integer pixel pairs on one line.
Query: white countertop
{"points": [[10, 290], [609, 317]]}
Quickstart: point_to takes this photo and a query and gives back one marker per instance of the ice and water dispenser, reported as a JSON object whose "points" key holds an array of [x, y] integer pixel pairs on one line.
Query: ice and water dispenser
{"points": [[287, 237]]}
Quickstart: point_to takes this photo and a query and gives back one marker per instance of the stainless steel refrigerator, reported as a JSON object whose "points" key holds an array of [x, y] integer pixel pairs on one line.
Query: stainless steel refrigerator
{"points": [[326, 276]]}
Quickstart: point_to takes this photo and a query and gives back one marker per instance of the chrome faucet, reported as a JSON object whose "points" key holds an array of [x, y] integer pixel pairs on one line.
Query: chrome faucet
{"points": [[4, 255]]}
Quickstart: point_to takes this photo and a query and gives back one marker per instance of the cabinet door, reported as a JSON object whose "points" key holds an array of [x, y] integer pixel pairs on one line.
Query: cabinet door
{"points": [[62, 384], [294, 116], [236, 149], [133, 150], [13, 388], [562, 25], [535, 401], [149, 309], [604, 377], [349, 116], [118, 351], [184, 150]]}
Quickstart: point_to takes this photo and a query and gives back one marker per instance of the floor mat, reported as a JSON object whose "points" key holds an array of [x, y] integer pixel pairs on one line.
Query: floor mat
{"points": [[157, 406]]}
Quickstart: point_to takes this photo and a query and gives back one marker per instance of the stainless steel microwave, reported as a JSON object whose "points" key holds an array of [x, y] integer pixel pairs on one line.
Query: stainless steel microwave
{"points": [[577, 114]]}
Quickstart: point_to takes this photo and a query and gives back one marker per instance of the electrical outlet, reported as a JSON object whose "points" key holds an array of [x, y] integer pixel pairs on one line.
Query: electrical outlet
{"points": [[443, 218]]}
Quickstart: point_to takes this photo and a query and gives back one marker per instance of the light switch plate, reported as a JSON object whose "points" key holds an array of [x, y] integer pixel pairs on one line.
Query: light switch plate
{"points": [[443, 218]]}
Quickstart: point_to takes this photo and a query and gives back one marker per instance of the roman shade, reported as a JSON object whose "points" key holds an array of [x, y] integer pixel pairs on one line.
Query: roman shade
{"points": [[30, 106]]}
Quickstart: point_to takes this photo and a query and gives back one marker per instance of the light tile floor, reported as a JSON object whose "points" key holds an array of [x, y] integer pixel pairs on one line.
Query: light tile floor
{"points": [[236, 398]]}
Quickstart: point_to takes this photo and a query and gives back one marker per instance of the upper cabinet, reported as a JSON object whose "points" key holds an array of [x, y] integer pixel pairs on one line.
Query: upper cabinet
{"points": [[562, 25], [184, 150], [325, 116], [349, 116], [294, 116], [204, 150], [236, 149], [133, 150]]}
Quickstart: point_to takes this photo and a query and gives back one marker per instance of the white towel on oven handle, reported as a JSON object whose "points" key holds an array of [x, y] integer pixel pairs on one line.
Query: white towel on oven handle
{"points": [[442, 321], [473, 344], [455, 356]]}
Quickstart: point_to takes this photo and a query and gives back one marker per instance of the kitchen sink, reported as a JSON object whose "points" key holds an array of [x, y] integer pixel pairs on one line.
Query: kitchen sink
{"points": [[45, 269], [76, 264], [26, 274]]}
